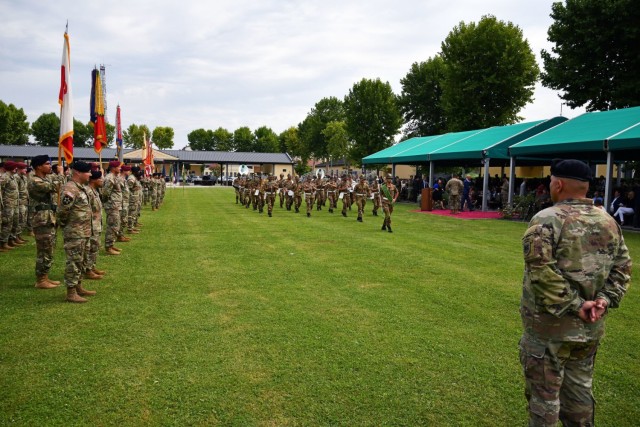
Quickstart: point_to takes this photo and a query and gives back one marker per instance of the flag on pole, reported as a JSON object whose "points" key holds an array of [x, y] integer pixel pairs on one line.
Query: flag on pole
{"points": [[97, 112], [65, 141], [118, 131], [148, 155]]}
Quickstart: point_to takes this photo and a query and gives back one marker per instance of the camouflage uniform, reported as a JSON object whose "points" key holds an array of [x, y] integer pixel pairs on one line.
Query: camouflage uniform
{"points": [[145, 189], [375, 192], [126, 199], [282, 183], [343, 189], [270, 191], [112, 193], [290, 188], [23, 202], [573, 253], [309, 191], [135, 189], [153, 192], [10, 198], [320, 193], [91, 255], [332, 191], [297, 195], [454, 187], [387, 205], [75, 217], [42, 197], [361, 192]]}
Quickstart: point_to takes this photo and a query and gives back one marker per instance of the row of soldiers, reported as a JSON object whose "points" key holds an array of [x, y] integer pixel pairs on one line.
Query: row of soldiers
{"points": [[74, 203], [257, 191]]}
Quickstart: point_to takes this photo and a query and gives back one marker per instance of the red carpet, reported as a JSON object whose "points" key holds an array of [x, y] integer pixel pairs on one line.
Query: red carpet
{"points": [[463, 215]]}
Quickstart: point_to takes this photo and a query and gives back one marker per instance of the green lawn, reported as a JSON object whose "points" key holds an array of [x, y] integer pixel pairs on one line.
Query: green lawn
{"points": [[217, 315]]}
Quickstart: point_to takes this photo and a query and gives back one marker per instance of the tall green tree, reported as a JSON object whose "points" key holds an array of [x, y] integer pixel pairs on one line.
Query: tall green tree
{"points": [[595, 60], [223, 140], [111, 134], [338, 142], [201, 140], [14, 127], [82, 134], [133, 136], [46, 129], [162, 137], [326, 110], [372, 117], [266, 140], [421, 99], [290, 142], [490, 74], [244, 140]]}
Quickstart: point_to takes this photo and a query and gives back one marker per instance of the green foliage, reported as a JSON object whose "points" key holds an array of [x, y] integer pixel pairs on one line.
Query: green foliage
{"points": [[421, 98], [223, 140], [290, 142], [163, 137], [372, 117], [289, 321], [338, 143], [82, 134], [111, 134], [244, 140], [302, 167], [201, 140], [46, 129], [133, 136], [596, 53], [266, 141], [490, 72], [14, 127], [310, 130]]}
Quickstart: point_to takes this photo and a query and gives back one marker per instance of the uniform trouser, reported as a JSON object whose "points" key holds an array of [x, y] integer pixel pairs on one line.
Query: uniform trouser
{"points": [[91, 254], [309, 200], [361, 202], [237, 196], [113, 227], [134, 209], [45, 238], [346, 202], [376, 202], [145, 196], [271, 199], [75, 250], [332, 200], [260, 201], [319, 199], [454, 202], [154, 200], [124, 220], [9, 222], [289, 201], [22, 218], [297, 200], [558, 382], [467, 200], [388, 210], [281, 197]]}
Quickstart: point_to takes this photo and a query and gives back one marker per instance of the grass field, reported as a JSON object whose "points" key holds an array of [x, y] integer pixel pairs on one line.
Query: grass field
{"points": [[217, 315]]}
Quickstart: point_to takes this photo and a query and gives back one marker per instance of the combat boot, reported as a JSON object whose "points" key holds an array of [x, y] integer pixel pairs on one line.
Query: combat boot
{"points": [[72, 296], [100, 272], [111, 251], [92, 276], [123, 239], [389, 229], [4, 248], [359, 219], [269, 214], [53, 282], [20, 240], [83, 292], [308, 214], [344, 214], [10, 244], [42, 283], [375, 213], [384, 226]]}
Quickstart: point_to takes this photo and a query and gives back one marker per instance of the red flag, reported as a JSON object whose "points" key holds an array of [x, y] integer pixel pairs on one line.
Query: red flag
{"points": [[97, 113], [118, 130], [65, 141]]}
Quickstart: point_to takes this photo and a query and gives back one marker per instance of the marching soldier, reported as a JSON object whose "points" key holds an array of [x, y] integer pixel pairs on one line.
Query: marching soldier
{"points": [[375, 190], [455, 188], [297, 194], [238, 188], [75, 218], [270, 191], [282, 184], [320, 193], [343, 191], [290, 186], [309, 191], [112, 193], [91, 254], [332, 190], [361, 192], [389, 196]]}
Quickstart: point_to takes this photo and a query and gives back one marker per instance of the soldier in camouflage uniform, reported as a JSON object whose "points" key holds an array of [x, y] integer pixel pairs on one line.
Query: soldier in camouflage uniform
{"points": [[10, 198], [362, 192], [112, 197], [135, 189], [343, 190], [576, 268], [75, 218], [309, 191], [23, 200], [125, 172], [389, 198], [332, 193], [320, 193], [281, 189], [375, 192], [153, 192], [43, 192], [454, 187], [270, 190], [91, 254], [297, 194], [145, 189], [290, 188]]}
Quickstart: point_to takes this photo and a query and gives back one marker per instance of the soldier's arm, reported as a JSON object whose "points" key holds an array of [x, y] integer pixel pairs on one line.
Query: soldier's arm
{"points": [[551, 289], [66, 204], [618, 280], [107, 188]]}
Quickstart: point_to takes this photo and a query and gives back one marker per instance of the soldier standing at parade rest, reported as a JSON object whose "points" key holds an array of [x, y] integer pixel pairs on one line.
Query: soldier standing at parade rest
{"points": [[10, 198], [362, 192], [125, 171], [91, 254], [389, 196], [332, 189], [135, 200], [112, 194], [75, 218], [23, 200], [154, 191], [577, 267], [454, 187], [42, 192]]}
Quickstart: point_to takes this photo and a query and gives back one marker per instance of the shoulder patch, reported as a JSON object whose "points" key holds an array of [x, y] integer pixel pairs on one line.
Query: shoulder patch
{"points": [[67, 199]]}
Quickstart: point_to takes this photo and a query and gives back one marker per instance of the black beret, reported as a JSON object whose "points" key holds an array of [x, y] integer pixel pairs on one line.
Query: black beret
{"points": [[96, 175], [39, 160], [81, 166], [572, 169], [135, 169]]}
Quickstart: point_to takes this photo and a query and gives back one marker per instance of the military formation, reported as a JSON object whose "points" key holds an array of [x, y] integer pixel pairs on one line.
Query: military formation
{"points": [[318, 192], [42, 199]]}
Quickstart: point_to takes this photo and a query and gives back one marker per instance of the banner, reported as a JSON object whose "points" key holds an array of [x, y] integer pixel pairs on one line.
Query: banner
{"points": [[97, 112], [118, 131], [65, 141]]}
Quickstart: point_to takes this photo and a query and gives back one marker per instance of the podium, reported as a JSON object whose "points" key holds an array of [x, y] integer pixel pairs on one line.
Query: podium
{"points": [[426, 204]]}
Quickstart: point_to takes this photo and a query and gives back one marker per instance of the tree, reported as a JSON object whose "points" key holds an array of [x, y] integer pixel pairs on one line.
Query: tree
{"points": [[290, 142], [201, 140], [326, 110], [111, 134], [421, 99], [82, 134], [338, 143], [46, 129], [14, 127], [372, 117], [596, 56], [266, 140], [132, 137], [243, 139], [163, 137], [490, 72], [223, 140]]}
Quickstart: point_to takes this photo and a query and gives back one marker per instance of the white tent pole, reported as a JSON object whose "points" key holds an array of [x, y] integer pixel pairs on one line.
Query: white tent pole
{"points": [[431, 166]]}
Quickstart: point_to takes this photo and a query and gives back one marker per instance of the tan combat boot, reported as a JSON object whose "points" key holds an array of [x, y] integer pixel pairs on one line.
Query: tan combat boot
{"points": [[92, 276], [11, 244], [53, 282], [72, 296], [4, 248], [42, 283], [123, 239], [112, 251], [83, 292], [133, 231], [20, 240], [99, 272]]}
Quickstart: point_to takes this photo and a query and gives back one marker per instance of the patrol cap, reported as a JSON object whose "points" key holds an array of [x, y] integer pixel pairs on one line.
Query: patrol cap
{"points": [[135, 169], [572, 169], [81, 166], [96, 175]]}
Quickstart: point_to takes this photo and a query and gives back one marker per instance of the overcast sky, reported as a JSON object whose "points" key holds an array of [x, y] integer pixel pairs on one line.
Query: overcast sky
{"points": [[199, 64]]}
